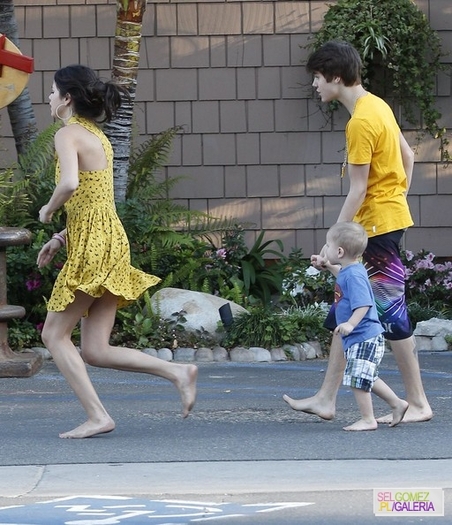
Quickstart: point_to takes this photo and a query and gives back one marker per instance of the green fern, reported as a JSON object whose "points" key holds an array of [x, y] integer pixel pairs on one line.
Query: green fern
{"points": [[38, 158], [27, 184], [148, 212], [210, 228], [14, 200], [148, 158], [34, 175]]}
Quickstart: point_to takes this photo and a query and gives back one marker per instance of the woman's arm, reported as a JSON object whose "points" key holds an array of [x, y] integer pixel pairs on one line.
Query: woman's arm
{"points": [[68, 156]]}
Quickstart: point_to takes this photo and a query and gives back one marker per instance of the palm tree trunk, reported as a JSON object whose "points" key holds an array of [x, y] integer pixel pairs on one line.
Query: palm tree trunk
{"points": [[20, 111], [125, 71]]}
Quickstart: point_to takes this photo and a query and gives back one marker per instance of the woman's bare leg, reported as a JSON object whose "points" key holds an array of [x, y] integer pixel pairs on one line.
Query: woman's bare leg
{"points": [[407, 360], [56, 336], [323, 403], [96, 350]]}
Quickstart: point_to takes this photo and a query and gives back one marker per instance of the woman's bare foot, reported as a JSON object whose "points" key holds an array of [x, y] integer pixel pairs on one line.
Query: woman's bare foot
{"points": [[90, 429], [398, 413], [412, 415], [362, 425], [186, 384], [310, 405]]}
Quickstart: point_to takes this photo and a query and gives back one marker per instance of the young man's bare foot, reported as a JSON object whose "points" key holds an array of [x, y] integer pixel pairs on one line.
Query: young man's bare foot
{"points": [[310, 405], [412, 415], [398, 413], [362, 425], [186, 385], [90, 429]]}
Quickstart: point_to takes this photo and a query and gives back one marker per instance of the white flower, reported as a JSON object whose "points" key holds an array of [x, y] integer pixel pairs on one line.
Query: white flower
{"points": [[297, 289], [312, 272]]}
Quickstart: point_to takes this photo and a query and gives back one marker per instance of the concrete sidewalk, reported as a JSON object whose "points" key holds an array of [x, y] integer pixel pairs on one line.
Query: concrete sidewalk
{"points": [[219, 478]]}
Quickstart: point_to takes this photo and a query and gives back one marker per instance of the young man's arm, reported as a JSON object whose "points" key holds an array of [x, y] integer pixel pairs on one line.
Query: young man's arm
{"points": [[358, 175], [407, 159]]}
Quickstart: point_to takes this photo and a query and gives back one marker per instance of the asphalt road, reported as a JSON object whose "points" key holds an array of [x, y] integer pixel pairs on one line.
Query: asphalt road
{"points": [[239, 415], [242, 446]]}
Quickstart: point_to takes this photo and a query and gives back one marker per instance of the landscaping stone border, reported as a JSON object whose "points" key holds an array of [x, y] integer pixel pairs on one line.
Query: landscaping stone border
{"points": [[295, 352], [430, 337]]}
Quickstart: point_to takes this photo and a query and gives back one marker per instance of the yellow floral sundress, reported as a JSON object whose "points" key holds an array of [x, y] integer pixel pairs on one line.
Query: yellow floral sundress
{"points": [[98, 252]]}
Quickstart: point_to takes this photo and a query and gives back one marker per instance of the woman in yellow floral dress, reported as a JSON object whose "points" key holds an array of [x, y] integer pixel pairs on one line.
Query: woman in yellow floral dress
{"points": [[97, 277]]}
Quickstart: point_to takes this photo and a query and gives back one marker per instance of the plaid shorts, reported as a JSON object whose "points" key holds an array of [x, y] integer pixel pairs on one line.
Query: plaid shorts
{"points": [[363, 359]]}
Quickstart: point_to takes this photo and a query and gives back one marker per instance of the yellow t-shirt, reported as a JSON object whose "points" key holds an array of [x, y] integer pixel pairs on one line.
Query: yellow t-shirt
{"points": [[373, 137]]}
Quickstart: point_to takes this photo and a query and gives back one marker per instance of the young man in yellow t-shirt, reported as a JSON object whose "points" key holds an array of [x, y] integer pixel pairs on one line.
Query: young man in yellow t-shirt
{"points": [[380, 166]]}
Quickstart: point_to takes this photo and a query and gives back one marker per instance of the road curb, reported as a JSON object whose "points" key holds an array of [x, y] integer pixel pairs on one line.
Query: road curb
{"points": [[221, 478]]}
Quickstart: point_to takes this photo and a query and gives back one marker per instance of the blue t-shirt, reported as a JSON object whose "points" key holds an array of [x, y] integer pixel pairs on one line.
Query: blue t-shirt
{"points": [[352, 291]]}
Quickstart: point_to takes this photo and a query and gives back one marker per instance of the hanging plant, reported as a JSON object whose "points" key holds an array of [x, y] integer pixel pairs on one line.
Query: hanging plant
{"points": [[401, 55]]}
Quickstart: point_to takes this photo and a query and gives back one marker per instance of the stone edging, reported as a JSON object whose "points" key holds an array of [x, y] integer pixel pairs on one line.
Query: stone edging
{"points": [[295, 352]]}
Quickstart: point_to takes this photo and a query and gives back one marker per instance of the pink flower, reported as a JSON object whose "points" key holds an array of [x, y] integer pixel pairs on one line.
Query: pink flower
{"points": [[424, 264], [409, 255], [33, 284], [222, 253], [39, 327]]}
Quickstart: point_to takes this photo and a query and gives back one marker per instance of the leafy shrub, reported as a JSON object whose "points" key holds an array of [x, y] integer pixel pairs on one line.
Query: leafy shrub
{"points": [[428, 285], [203, 266], [270, 328], [401, 54], [419, 313], [304, 285], [30, 286]]}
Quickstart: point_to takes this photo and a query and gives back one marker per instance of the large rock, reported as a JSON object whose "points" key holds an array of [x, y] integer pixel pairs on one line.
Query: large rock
{"points": [[431, 335], [202, 309]]}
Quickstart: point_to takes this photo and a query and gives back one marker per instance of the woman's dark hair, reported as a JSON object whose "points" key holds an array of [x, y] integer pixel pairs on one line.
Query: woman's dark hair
{"points": [[91, 97], [336, 59]]}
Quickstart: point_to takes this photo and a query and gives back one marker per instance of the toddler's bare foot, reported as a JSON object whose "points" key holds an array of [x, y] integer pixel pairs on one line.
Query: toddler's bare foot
{"points": [[362, 425], [311, 405], [412, 415], [186, 384], [89, 429], [398, 413]]}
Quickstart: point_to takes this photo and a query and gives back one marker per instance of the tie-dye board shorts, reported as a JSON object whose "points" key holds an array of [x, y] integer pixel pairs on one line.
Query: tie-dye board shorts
{"points": [[387, 278]]}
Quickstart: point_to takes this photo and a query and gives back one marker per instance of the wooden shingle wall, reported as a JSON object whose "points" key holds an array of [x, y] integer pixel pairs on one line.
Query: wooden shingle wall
{"points": [[254, 146]]}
